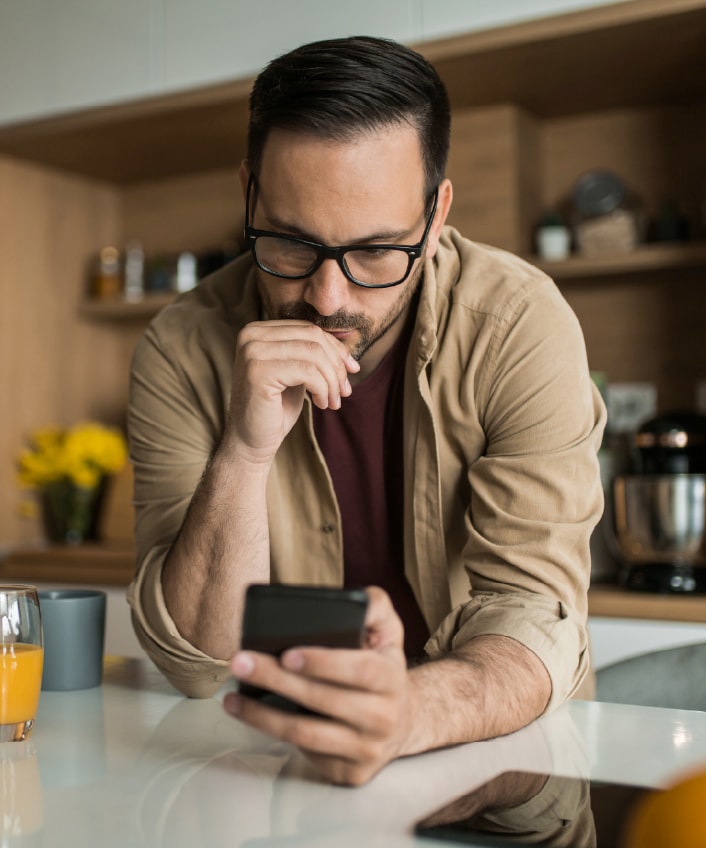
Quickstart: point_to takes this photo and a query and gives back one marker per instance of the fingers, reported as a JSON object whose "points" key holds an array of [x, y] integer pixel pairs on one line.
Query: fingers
{"points": [[355, 734], [331, 682], [276, 363], [337, 682], [383, 626], [337, 750], [284, 354], [362, 698], [353, 669]]}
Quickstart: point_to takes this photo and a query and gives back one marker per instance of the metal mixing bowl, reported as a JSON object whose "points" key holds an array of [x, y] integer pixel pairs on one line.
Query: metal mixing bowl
{"points": [[661, 518]]}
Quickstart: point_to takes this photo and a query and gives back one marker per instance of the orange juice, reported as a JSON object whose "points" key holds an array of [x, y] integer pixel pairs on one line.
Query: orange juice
{"points": [[20, 681]]}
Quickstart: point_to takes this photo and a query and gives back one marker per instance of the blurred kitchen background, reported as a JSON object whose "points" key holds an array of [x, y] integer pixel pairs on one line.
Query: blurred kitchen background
{"points": [[578, 141]]}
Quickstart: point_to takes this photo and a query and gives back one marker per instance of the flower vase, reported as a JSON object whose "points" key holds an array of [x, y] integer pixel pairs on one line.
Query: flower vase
{"points": [[70, 513]]}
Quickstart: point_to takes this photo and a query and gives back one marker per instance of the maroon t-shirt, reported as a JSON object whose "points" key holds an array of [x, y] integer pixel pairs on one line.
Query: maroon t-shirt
{"points": [[362, 445]]}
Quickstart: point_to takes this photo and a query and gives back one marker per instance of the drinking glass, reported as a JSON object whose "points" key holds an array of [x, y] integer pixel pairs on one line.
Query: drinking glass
{"points": [[21, 660]]}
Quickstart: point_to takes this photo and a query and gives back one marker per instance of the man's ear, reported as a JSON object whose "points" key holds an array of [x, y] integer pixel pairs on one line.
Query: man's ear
{"points": [[244, 176], [443, 205]]}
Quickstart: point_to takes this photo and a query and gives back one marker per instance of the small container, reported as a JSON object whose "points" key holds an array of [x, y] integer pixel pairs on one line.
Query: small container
{"points": [[186, 275], [553, 238], [134, 271], [107, 279], [606, 220], [74, 635]]}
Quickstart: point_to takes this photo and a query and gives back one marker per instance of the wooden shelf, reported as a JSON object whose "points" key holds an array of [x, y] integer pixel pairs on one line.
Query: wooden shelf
{"points": [[118, 309], [638, 53], [646, 258], [610, 601], [103, 565]]}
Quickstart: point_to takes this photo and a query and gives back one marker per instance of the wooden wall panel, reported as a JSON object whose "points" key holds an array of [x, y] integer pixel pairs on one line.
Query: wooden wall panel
{"points": [[196, 212], [646, 328], [640, 327], [654, 151], [53, 367], [493, 154]]}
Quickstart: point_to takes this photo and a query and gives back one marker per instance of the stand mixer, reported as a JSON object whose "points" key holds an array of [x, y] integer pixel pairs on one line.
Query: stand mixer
{"points": [[660, 509]]}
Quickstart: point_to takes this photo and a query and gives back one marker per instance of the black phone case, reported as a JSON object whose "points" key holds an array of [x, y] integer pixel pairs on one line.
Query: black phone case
{"points": [[278, 617]]}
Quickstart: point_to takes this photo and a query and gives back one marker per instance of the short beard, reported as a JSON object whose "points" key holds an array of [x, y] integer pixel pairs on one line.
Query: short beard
{"points": [[342, 320]]}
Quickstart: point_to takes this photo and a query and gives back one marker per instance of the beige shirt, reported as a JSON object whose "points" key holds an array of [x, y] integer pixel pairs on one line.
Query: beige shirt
{"points": [[501, 489]]}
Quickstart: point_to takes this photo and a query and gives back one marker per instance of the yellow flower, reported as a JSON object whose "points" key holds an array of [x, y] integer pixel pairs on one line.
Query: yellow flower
{"points": [[82, 455]]}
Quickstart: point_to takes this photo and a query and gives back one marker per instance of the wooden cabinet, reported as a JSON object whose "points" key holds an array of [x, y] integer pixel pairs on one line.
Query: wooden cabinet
{"points": [[534, 105], [625, 624]]}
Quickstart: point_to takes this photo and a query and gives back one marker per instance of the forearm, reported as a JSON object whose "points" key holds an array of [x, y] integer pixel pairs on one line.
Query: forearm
{"points": [[223, 545], [490, 686]]}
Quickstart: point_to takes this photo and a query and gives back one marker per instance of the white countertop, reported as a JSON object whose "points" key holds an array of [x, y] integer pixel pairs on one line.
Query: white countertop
{"points": [[133, 763]]}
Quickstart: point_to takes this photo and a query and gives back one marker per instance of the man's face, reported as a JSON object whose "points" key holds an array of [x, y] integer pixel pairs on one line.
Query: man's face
{"points": [[336, 193]]}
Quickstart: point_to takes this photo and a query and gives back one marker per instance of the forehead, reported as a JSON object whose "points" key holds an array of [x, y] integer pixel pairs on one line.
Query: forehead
{"points": [[375, 174]]}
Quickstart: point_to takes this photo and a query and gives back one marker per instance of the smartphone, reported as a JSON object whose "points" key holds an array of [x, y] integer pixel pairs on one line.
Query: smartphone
{"points": [[278, 617], [522, 808]]}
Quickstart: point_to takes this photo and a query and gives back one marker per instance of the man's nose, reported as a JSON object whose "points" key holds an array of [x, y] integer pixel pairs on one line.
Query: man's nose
{"points": [[328, 289]]}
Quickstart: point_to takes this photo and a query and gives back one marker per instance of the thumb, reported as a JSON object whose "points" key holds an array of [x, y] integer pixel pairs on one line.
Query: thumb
{"points": [[383, 627]]}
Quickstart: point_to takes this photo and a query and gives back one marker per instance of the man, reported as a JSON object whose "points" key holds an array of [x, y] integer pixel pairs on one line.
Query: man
{"points": [[367, 398]]}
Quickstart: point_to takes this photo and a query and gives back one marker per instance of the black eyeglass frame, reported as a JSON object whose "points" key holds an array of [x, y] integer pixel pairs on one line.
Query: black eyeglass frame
{"points": [[324, 251]]}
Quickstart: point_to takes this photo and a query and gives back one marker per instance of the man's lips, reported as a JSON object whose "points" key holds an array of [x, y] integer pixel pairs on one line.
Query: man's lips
{"points": [[340, 334]]}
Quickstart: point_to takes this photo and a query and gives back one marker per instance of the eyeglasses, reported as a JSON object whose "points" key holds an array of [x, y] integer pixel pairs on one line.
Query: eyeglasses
{"points": [[373, 266]]}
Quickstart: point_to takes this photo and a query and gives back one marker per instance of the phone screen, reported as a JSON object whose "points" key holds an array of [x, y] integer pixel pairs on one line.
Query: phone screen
{"points": [[278, 617], [523, 808]]}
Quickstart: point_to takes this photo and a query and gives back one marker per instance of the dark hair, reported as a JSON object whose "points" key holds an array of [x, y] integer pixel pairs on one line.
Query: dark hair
{"points": [[343, 87]]}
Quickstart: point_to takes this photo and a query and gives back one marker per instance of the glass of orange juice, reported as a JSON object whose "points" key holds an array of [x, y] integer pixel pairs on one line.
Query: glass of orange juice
{"points": [[21, 659]]}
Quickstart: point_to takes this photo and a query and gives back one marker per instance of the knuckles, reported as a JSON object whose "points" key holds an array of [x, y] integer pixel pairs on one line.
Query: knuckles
{"points": [[369, 760]]}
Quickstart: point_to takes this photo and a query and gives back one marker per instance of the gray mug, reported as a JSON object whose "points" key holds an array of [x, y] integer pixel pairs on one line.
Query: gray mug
{"points": [[73, 621]]}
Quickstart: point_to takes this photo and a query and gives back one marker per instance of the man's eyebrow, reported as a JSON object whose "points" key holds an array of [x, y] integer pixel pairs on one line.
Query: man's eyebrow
{"points": [[286, 228]]}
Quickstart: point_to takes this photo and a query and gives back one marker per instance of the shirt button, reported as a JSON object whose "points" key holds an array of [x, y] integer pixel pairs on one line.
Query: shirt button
{"points": [[328, 528]]}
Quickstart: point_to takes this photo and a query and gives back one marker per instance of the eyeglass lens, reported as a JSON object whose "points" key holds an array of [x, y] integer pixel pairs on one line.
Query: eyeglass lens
{"points": [[368, 265]]}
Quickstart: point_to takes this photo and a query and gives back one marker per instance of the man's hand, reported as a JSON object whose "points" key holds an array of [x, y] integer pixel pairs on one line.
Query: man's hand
{"points": [[363, 694], [276, 363], [377, 710]]}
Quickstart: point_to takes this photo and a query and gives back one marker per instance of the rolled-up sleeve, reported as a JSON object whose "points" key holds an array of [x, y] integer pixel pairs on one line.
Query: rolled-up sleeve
{"points": [[192, 672], [552, 631]]}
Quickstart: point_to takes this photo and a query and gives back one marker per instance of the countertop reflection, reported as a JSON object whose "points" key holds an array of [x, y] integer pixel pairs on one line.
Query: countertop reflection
{"points": [[134, 763]]}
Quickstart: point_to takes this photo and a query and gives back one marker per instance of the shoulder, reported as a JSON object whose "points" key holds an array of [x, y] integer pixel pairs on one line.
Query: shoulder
{"points": [[487, 279], [471, 286], [491, 310]]}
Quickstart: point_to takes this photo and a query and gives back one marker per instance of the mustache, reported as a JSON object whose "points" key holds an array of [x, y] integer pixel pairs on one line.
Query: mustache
{"points": [[340, 320]]}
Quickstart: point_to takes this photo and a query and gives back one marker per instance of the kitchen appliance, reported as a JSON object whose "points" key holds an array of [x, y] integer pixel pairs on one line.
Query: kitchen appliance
{"points": [[660, 509], [674, 443]]}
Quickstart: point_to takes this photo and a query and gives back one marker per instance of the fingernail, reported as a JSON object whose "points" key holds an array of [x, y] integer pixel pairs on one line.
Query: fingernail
{"points": [[232, 704], [353, 364], [293, 660], [242, 665], [347, 388]]}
